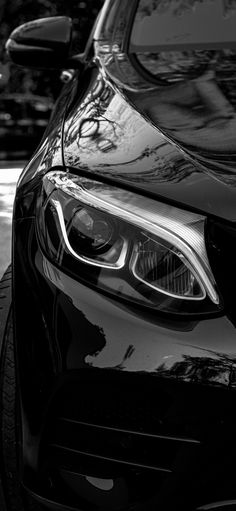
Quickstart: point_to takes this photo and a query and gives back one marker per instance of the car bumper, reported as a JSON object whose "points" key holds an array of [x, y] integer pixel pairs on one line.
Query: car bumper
{"points": [[118, 409]]}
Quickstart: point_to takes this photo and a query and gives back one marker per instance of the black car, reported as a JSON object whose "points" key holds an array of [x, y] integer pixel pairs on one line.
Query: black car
{"points": [[118, 365], [23, 119]]}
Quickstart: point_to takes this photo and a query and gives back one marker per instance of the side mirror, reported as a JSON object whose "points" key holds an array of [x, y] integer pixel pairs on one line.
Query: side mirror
{"points": [[42, 44]]}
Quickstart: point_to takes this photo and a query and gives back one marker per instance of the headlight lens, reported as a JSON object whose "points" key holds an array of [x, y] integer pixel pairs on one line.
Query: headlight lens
{"points": [[165, 269], [127, 245]]}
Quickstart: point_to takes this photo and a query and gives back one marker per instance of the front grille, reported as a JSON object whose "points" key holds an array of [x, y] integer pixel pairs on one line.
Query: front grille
{"points": [[110, 429], [116, 447], [163, 435]]}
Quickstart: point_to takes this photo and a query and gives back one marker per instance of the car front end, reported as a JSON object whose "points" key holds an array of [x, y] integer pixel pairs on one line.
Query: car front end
{"points": [[124, 281]]}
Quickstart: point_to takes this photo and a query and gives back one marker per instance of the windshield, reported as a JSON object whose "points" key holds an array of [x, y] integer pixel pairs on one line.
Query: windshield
{"points": [[183, 24]]}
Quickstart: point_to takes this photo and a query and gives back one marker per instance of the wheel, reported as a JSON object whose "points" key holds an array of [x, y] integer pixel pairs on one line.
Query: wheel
{"points": [[14, 498]]}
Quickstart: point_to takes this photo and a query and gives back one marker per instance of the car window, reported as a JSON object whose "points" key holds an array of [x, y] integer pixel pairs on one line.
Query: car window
{"points": [[172, 38], [182, 24]]}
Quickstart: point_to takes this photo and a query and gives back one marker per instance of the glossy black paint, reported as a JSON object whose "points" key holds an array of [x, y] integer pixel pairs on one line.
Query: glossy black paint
{"points": [[43, 43], [93, 361], [129, 148], [120, 408]]}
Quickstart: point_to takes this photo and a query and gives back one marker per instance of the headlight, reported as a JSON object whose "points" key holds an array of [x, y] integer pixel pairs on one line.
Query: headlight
{"points": [[127, 245]]}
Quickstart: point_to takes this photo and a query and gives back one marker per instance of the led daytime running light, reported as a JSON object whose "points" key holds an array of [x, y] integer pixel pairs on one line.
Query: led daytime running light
{"points": [[116, 266]]}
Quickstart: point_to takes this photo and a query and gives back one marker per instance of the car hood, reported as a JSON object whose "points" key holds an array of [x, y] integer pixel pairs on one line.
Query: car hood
{"points": [[142, 140]]}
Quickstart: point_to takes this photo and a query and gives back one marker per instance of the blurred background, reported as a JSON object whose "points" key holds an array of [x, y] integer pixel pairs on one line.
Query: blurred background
{"points": [[27, 96]]}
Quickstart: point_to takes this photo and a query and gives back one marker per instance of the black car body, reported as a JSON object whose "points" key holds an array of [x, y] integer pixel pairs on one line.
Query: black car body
{"points": [[124, 270]]}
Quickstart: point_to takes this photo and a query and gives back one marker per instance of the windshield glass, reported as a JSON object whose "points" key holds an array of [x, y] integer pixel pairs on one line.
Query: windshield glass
{"points": [[186, 50], [183, 24]]}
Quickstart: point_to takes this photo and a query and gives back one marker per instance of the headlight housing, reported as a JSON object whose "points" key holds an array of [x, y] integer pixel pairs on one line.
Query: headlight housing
{"points": [[127, 245]]}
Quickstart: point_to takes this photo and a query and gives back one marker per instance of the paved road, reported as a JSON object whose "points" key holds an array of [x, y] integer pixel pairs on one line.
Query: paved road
{"points": [[9, 174]]}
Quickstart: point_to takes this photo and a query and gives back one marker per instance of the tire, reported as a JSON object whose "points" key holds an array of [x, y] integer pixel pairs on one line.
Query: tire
{"points": [[10, 479], [14, 498]]}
